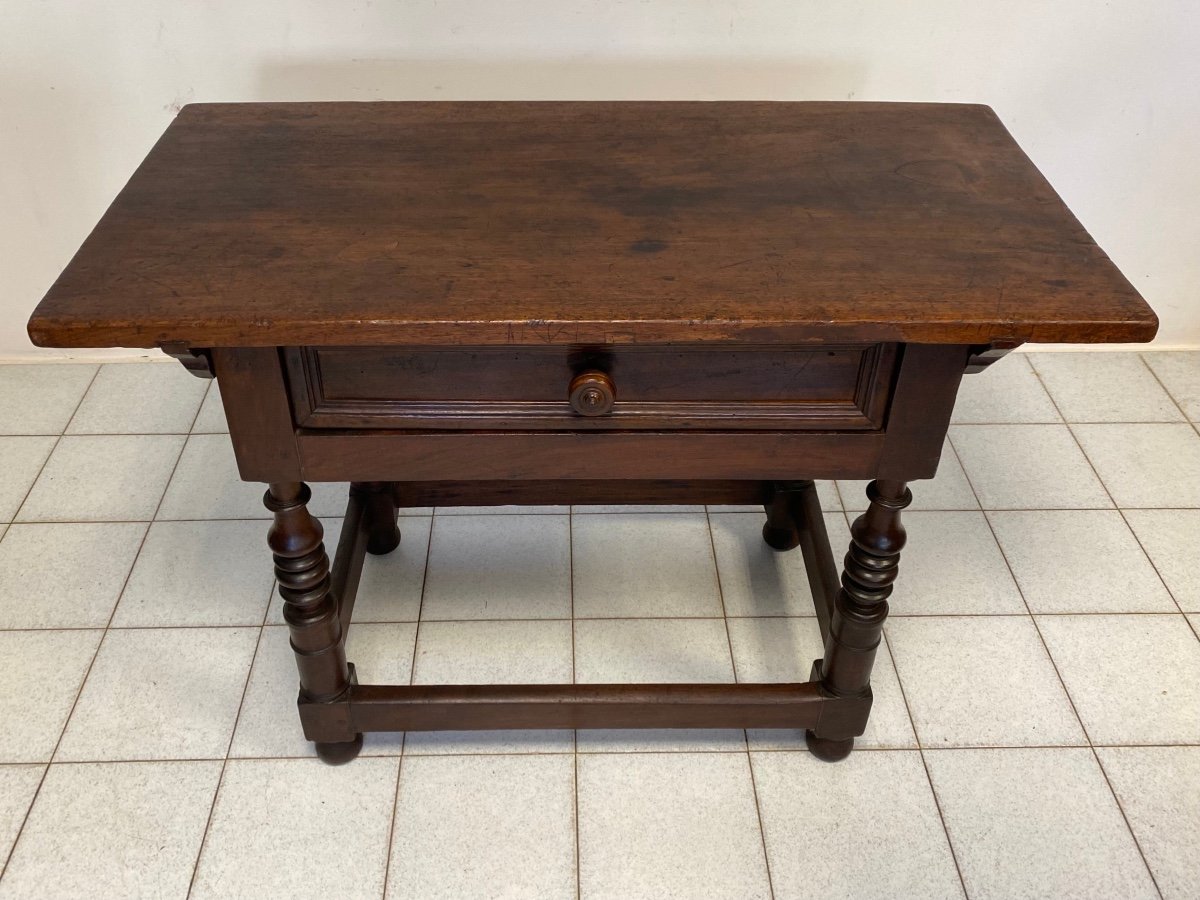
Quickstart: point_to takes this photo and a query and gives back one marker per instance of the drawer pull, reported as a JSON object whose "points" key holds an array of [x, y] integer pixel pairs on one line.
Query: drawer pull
{"points": [[592, 393]]}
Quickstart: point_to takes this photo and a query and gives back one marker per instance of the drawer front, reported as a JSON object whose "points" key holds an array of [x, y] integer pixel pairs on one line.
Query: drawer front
{"points": [[701, 387]]}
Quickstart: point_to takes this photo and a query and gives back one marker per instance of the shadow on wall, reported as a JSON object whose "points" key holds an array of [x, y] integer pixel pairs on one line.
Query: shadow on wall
{"points": [[460, 79]]}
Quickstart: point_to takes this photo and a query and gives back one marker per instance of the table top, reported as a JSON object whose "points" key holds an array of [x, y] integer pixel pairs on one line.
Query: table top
{"points": [[263, 224]]}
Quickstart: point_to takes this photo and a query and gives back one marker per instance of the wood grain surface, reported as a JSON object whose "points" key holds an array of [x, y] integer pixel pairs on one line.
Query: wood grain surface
{"points": [[587, 223]]}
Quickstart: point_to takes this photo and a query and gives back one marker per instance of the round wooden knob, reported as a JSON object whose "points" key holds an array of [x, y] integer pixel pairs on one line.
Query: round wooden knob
{"points": [[592, 393]]}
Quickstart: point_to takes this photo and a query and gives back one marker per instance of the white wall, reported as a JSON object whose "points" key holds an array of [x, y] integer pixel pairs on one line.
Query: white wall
{"points": [[1105, 97]]}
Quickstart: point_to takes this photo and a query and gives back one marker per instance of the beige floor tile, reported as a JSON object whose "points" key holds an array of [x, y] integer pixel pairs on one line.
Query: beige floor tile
{"points": [[211, 417], [1104, 387], [487, 567], [297, 828], [809, 808], [1169, 537], [140, 398], [1134, 679], [651, 651], [1180, 374], [113, 830], [669, 825], [41, 398], [1145, 465], [480, 826], [1027, 467], [18, 784], [1158, 788], [23, 460], [952, 565], [39, 680], [115, 478], [1079, 561], [1008, 391], [756, 580], [644, 564], [1036, 823], [980, 681], [160, 693], [65, 575]]}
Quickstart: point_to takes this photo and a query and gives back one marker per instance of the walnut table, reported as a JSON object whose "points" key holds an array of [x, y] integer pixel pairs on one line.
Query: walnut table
{"points": [[487, 303]]}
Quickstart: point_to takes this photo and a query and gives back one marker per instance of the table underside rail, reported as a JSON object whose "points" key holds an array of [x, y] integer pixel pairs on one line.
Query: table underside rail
{"points": [[453, 707]]}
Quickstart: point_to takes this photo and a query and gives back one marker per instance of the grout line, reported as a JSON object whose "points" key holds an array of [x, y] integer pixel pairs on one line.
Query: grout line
{"points": [[854, 510], [41, 781], [578, 861], [1136, 536], [412, 668], [387, 867], [762, 832], [735, 618], [571, 587], [731, 749], [57, 440], [412, 672], [937, 802], [762, 836], [225, 762], [574, 731], [1046, 647], [716, 570]]}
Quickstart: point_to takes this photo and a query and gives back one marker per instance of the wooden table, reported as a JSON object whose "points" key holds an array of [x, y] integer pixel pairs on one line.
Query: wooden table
{"points": [[486, 303]]}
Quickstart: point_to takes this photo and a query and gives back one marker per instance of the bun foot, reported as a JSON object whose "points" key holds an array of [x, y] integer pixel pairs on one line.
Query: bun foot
{"points": [[340, 753], [828, 750], [781, 538], [381, 543]]}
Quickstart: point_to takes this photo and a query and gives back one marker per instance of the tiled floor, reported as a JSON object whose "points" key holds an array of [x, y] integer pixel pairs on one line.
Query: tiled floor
{"points": [[1036, 729]]}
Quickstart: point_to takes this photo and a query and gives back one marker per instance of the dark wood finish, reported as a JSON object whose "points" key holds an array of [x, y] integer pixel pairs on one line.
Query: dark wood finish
{"points": [[781, 531], [499, 706], [659, 387], [430, 456], [577, 491], [445, 224], [920, 412], [311, 611], [856, 627], [484, 303], [198, 362], [349, 557], [795, 519], [380, 516], [254, 394], [819, 566]]}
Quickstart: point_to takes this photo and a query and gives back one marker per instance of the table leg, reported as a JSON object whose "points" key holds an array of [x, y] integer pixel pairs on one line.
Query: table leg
{"points": [[856, 628], [780, 531], [380, 502], [310, 610]]}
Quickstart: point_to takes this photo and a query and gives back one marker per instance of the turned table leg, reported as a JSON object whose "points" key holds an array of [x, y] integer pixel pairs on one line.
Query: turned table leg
{"points": [[856, 628], [380, 512], [310, 609]]}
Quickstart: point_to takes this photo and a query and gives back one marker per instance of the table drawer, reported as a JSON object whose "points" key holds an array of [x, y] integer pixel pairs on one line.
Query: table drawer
{"points": [[703, 387]]}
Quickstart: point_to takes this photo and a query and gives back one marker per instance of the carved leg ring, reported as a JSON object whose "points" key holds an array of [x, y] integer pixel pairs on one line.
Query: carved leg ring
{"points": [[380, 503], [856, 628], [310, 610]]}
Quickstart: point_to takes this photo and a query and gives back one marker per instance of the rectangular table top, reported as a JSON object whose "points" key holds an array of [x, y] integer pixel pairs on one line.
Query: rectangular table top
{"points": [[531, 222]]}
